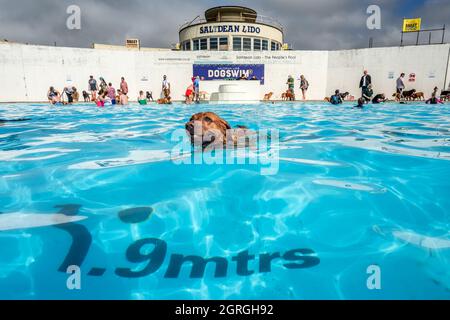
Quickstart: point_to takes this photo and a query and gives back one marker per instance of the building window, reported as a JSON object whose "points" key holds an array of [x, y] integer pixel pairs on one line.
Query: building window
{"points": [[247, 44], [257, 44], [204, 44], [273, 46], [187, 46], [196, 44], [265, 45], [237, 44], [223, 44], [213, 44]]}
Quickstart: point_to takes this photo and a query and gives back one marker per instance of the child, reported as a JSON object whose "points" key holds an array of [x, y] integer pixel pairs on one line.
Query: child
{"points": [[101, 99], [142, 99], [188, 94]]}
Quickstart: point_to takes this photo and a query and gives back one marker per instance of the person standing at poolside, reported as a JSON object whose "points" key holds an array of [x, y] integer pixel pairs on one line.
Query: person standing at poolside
{"points": [[197, 89], [291, 83], [165, 87], [93, 88], [123, 86], [400, 86], [364, 83], [111, 93], [367, 94], [103, 85], [304, 85]]}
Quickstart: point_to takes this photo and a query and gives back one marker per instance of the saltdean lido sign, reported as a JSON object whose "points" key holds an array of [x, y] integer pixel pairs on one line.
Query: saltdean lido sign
{"points": [[230, 29], [229, 71]]}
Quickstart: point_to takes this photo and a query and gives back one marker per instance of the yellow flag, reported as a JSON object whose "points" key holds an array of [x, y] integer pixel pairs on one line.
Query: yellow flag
{"points": [[411, 25]]}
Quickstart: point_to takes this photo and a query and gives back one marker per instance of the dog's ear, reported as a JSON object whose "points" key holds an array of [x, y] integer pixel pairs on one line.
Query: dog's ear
{"points": [[225, 124]]}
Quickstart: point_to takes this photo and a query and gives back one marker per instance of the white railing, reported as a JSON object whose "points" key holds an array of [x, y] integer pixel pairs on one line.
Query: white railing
{"points": [[260, 19]]}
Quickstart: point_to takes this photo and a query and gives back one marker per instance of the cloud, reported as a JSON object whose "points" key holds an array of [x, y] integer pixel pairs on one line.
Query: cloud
{"points": [[315, 25]]}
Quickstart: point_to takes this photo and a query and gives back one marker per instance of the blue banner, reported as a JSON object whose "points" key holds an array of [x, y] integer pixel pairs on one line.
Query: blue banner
{"points": [[229, 71]]}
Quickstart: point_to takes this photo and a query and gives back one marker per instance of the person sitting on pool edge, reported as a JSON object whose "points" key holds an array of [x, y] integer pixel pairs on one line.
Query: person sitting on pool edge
{"points": [[336, 98], [379, 98], [53, 95], [142, 99], [434, 99]]}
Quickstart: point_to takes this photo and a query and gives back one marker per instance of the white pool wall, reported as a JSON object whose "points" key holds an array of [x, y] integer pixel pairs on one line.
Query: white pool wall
{"points": [[26, 71]]}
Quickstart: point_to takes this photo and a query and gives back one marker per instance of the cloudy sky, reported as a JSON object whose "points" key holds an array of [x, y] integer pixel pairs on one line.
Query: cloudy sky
{"points": [[309, 24]]}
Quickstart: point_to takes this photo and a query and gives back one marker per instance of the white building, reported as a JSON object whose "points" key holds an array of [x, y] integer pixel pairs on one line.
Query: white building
{"points": [[231, 28]]}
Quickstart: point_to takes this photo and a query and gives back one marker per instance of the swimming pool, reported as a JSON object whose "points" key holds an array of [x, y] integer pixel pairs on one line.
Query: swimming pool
{"points": [[359, 206]]}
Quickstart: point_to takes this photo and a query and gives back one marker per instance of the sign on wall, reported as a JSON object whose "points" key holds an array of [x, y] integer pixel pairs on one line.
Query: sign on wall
{"points": [[229, 29], [412, 25], [229, 71]]}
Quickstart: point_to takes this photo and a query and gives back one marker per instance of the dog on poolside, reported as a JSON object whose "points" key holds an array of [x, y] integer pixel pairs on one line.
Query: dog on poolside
{"points": [[86, 96], [166, 100], [345, 95], [268, 96], [407, 95], [208, 130], [418, 96], [287, 96]]}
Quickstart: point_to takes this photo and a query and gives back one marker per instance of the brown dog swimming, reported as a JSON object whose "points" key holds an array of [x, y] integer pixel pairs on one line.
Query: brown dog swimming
{"points": [[209, 130]]}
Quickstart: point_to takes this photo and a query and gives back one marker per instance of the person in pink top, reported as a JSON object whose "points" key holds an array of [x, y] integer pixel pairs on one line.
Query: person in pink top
{"points": [[111, 93], [124, 86]]}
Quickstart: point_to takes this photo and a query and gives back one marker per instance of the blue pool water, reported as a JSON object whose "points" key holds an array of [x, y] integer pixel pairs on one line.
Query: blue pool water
{"points": [[361, 198]]}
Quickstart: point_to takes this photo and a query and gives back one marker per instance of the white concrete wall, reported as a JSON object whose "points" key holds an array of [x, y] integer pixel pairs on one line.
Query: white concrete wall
{"points": [[429, 63], [26, 72]]}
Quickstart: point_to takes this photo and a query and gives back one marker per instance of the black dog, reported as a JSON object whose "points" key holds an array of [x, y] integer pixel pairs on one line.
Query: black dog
{"points": [[86, 96], [408, 95], [344, 95]]}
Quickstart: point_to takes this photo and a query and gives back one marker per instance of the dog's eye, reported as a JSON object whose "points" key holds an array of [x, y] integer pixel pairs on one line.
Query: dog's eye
{"points": [[207, 119]]}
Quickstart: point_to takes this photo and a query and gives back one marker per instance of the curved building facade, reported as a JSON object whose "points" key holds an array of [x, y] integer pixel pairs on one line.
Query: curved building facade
{"points": [[231, 28]]}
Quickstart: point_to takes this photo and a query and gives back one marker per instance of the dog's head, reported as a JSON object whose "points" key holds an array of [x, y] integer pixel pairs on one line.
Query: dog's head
{"points": [[207, 129]]}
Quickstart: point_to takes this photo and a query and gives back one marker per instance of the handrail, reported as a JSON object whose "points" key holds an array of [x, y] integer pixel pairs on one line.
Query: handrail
{"points": [[260, 19]]}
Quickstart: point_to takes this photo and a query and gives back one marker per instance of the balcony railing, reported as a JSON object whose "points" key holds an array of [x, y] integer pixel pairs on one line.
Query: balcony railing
{"points": [[259, 19]]}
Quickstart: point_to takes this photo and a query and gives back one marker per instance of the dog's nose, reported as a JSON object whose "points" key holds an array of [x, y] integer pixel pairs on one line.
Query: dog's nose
{"points": [[190, 127]]}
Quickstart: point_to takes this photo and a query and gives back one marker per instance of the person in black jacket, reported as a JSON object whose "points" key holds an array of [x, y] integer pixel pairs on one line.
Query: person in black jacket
{"points": [[366, 80]]}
